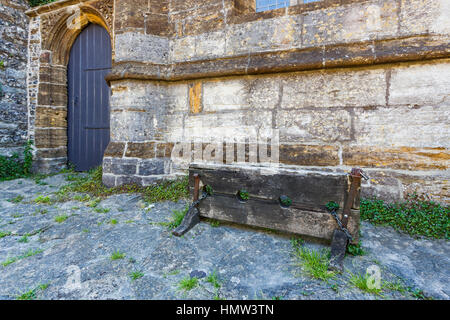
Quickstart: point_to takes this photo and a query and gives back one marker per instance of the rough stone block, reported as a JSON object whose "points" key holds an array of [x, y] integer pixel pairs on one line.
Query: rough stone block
{"points": [[142, 95], [213, 20], [357, 22], [225, 95], [177, 100], [131, 14], [340, 88], [420, 84], [157, 24], [278, 33], [115, 149], [396, 158], [57, 75], [210, 45], [52, 153], [135, 46], [182, 5], [309, 155], [142, 128], [227, 126], [50, 138], [151, 167], [433, 16], [422, 127], [145, 150], [121, 166], [245, 93], [314, 125], [159, 6], [52, 94], [109, 180], [128, 180], [183, 49], [51, 117], [46, 166], [107, 165]]}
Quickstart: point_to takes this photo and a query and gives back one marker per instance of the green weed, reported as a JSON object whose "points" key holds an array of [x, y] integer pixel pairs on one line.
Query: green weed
{"points": [[92, 185], [4, 234], [14, 167], [314, 263], [188, 283], [212, 278], [43, 200], [27, 254], [356, 249], [61, 218], [102, 210], [136, 275], [17, 199], [361, 282], [176, 219], [413, 216], [32, 294], [117, 255]]}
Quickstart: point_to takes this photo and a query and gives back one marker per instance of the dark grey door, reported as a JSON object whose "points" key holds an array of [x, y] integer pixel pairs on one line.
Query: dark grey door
{"points": [[88, 106]]}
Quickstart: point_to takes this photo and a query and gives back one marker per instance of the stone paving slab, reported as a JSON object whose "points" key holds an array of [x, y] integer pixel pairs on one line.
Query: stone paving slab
{"points": [[250, 264]]}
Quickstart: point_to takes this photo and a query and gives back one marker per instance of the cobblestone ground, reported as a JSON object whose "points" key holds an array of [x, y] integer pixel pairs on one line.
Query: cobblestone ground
{"points": [[64, 250]]}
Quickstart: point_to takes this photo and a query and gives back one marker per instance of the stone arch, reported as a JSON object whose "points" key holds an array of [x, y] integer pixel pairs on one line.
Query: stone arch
{"points": [[50, 118], [61, 37]]}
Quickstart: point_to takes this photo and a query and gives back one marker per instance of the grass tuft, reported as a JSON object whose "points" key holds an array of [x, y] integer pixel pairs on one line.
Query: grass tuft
{"points": [[102, 210], [4, 234], [214, 280], [188, 283], [43, 200], [17, 199], [314, 263], [61, 218], [176, 219], [27, 254], [117, 255], [32, 294], [24, 239], [362, 282], [136, 275]]}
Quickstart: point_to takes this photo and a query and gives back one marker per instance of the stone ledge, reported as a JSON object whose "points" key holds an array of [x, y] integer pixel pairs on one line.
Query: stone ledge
{"points": [[407, 49]]}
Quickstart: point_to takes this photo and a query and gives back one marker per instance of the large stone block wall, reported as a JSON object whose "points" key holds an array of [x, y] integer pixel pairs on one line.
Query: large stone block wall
{"points": [[13, 75], [344, 82], [386, 113], [392, 120]]}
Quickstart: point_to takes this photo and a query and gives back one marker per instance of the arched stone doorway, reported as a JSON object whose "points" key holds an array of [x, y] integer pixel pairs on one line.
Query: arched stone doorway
{"points": [[88, 98], [56, 30]]}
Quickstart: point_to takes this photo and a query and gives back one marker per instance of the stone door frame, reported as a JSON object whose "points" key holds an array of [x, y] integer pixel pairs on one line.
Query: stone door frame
{"points": [[53, 30]]}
